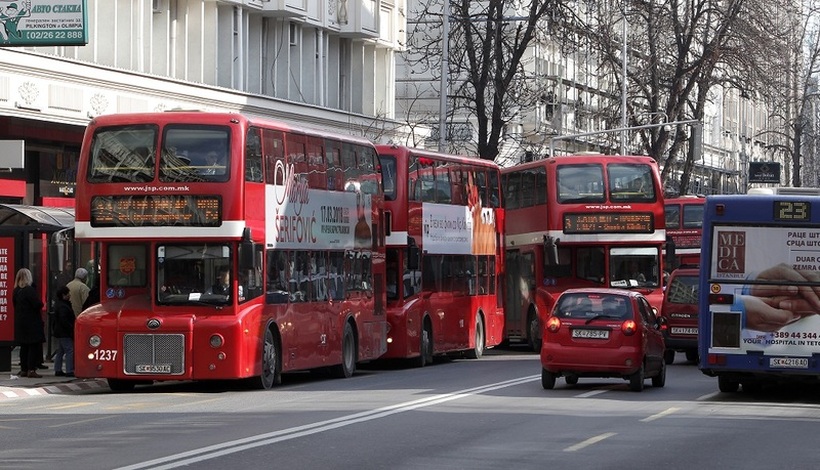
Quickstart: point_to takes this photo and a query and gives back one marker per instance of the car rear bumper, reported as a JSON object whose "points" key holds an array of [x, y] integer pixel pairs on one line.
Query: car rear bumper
{"points": [[589, 361], [678, 343]]}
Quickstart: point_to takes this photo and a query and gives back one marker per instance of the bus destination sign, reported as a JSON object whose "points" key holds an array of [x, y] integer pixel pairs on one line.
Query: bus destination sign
{"points": [[156, 211], [640, 222]]}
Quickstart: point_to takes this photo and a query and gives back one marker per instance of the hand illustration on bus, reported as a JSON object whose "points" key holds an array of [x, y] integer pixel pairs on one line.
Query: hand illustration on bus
{"points": [[770, 307]]}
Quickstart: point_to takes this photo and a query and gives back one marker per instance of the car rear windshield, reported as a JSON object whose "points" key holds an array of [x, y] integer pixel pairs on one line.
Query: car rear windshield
{"points": [[588, 306], [683, 290]]}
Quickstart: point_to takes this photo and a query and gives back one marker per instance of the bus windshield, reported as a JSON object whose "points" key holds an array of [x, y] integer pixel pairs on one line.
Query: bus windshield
{"points": [[189, 153], [634, 267], [630, 183], [194, 273], [123, 154]]}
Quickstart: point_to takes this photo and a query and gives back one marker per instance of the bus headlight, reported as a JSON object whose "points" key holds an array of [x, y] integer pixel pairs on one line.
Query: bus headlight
{"points": [[217, 341], [94, 341]]}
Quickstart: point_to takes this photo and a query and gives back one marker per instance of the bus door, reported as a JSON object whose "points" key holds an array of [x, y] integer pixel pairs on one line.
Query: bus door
{"points": [[516, 295]]}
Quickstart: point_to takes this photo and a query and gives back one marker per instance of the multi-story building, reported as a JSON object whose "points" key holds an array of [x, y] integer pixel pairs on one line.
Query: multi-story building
{"points": [[324, 63]]}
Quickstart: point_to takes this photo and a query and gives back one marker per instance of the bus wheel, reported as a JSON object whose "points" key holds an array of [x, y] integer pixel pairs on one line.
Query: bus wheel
{"points": [[117, 385], [533, 330], [348, 365], [547, 379], [425, 348], [271, 371], [752, 387], [727, 385], [669, 356], [478, 350]]}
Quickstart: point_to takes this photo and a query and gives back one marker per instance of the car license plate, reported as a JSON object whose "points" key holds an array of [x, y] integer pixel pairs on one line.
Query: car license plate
{"points": [[153, 368], [593, 334], [789, 362], [684, 331]]}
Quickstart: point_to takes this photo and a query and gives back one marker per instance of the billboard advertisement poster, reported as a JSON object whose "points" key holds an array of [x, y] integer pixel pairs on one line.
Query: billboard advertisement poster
{"points": [[6, 288], [767, 271], [43, 23]]}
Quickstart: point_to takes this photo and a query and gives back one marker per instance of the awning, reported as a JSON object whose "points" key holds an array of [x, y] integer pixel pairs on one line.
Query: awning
{"points": [[36, 218]]}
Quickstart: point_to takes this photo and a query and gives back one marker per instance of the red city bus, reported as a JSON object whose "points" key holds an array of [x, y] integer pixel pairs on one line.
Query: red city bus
{"points": [[229, 247], [579, 221], [444, 253], [684, 225]]}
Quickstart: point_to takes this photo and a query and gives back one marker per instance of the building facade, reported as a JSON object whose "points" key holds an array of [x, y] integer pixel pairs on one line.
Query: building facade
{"points": [[327, 64]]}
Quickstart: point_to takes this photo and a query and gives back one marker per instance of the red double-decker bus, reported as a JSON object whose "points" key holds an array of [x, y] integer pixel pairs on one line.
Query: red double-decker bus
{"points": [[579, 221], [444, 253], [229, 248], [684, 225]]}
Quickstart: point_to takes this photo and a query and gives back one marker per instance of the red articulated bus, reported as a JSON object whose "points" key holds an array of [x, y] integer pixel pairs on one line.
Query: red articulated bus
{"points": [[229, 247], [684, 225], [579, 221], [444, 253]]}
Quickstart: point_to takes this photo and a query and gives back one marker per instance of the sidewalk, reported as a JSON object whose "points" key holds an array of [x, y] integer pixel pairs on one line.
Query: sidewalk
{"points": [[12, 386]]}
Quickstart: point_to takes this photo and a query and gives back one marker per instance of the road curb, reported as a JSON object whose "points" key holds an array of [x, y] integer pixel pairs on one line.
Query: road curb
{"points": [[51, 389]]}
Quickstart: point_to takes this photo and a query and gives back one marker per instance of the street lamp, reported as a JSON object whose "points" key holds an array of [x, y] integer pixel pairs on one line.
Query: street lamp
{"points": [[445, 71], [623, 81]]}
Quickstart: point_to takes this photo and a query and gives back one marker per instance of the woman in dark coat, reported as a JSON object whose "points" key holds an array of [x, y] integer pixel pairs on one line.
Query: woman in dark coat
{"points": [[29, 330]]}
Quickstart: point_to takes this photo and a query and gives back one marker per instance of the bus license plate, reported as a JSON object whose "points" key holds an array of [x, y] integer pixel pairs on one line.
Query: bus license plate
{"points": [[789, 362], [593, 334], [153, 368], [684, 331]]}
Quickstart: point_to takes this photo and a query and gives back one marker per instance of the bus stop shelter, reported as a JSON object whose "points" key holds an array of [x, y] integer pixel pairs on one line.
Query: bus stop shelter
{"points": [[24, 237]]}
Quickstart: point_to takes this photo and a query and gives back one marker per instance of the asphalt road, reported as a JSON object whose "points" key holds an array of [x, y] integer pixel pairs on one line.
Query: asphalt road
{"points": [[489, 413]]}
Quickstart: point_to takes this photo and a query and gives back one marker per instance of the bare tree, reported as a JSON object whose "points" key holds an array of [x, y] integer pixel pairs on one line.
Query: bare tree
{"points": [[793, 97], [489, 49]]}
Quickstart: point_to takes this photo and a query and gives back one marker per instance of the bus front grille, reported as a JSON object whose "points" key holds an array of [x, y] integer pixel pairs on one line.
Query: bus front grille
{"points": [[154, 354]]}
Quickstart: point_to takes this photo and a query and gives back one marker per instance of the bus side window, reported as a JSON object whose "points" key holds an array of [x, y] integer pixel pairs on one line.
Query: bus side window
{"points": [[335, 279], [335, 174], [274, 148], [253, 156], [276, 291]]}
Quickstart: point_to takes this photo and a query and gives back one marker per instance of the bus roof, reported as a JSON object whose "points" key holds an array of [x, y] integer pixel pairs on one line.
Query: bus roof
{"points": [[392, 149], [219, 117], [580, 158], [785, 191]]}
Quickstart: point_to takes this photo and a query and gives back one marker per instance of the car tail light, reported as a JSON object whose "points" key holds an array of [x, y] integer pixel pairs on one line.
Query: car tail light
{"points": [[553, 324], [628, 327]]}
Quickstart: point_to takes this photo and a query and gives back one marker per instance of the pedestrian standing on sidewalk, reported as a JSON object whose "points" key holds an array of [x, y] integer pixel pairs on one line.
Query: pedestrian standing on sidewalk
{"points": [[29, 330], [79, 290], [63, 329]]}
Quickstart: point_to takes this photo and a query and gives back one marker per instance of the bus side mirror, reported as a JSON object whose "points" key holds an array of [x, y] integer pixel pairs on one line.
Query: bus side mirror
{"points": [[551, 250], [246, 252], [412, 255]]}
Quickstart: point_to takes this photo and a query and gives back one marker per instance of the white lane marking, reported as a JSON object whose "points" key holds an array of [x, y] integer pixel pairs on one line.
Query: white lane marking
{"points": [[592, 393], [590, 441], [663, 413], [708, 396], [239, 445]]}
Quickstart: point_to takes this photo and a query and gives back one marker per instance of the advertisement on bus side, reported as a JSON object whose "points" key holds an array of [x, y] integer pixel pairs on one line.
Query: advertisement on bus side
{"points": [[314, 219], [772, 275], [449, 229]]}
